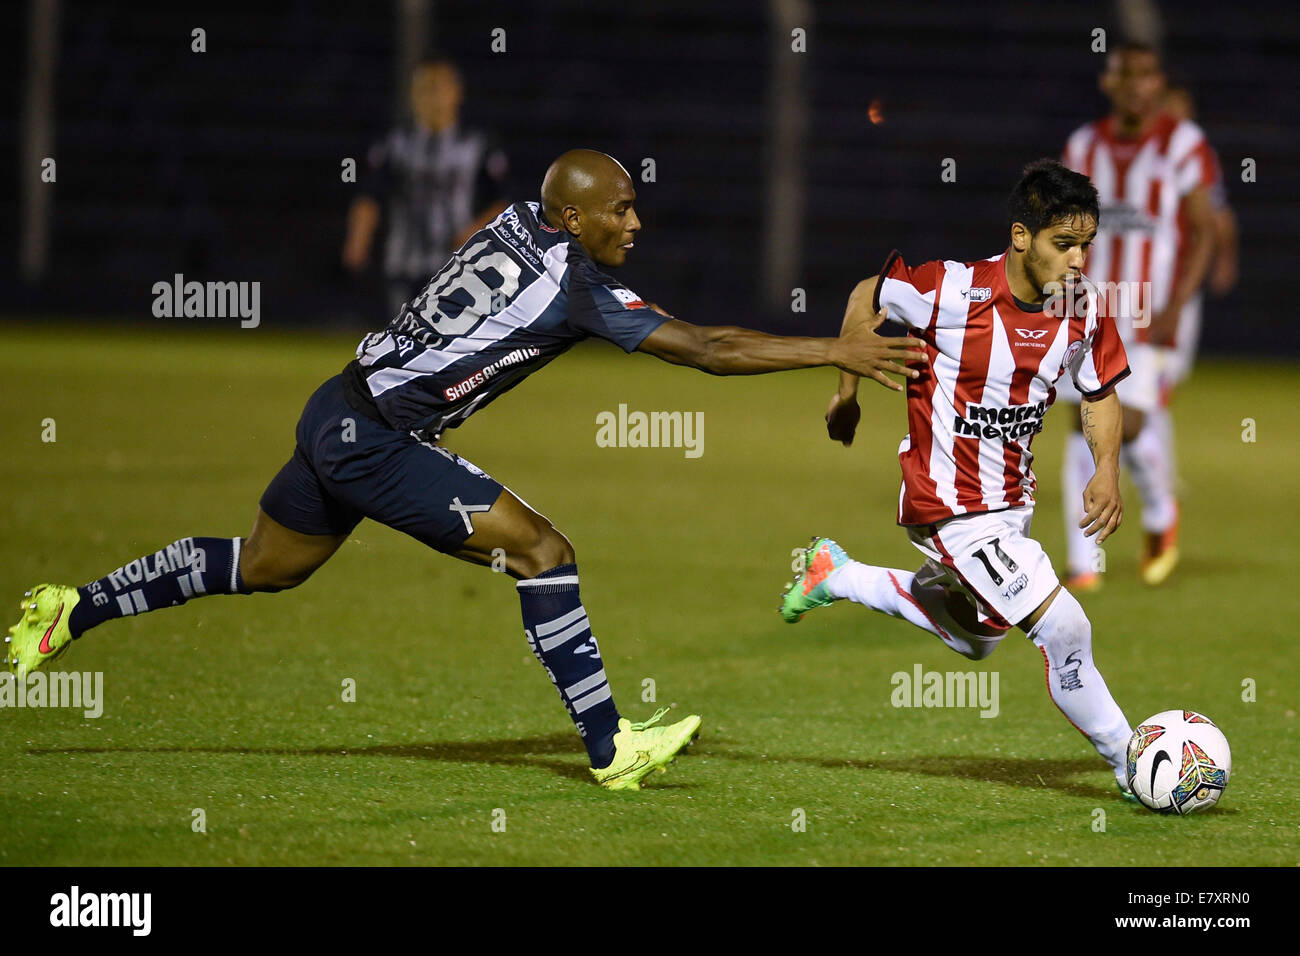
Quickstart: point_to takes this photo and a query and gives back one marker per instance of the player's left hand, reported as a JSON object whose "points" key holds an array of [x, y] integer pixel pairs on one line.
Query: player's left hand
{"points": [[665, 314], [1103, 508]]}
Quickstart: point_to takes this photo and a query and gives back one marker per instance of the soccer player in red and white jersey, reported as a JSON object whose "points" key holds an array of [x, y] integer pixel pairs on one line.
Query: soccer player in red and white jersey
{"points": [[1154, 173], [997, 343]]}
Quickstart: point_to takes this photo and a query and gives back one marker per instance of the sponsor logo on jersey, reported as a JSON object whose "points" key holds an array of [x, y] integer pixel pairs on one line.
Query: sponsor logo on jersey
{"points": [[629, 298], [467, 385], [978, 293], [1007, 422], [514, 232], [1033, 335]]}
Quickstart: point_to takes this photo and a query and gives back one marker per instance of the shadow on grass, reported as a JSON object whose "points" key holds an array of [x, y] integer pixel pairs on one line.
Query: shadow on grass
{"points": [[539, 752], [522, 752], [1017, 772]]}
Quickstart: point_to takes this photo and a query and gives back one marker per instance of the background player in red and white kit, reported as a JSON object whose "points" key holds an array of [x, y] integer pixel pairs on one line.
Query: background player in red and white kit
{"points": [[1225, 260], [1154, 174], [996, 345], [1220, 280]]}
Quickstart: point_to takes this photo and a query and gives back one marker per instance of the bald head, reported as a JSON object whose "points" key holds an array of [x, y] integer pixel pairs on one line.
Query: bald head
{"points": [[589, 194], [580, 177]]}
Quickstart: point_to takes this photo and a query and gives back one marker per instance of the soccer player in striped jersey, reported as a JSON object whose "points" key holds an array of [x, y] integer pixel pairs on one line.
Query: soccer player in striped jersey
{"points": [[1155, 174], [997, 343], [518, 293]]}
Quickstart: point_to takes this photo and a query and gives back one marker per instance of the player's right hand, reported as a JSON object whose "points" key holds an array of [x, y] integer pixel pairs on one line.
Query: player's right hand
{"points": [[842, 418], [861, 351]]}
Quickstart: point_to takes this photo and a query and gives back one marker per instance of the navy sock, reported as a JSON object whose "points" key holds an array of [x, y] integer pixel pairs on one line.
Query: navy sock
{"points": [[557, 629], [190, 567]]}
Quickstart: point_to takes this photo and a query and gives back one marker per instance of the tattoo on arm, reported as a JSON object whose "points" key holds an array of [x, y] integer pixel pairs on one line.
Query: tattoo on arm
{"points": [[1086, 420]]}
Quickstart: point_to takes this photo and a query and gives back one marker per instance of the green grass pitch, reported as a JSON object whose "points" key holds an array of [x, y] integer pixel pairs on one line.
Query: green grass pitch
{"points": [[234, 706]]}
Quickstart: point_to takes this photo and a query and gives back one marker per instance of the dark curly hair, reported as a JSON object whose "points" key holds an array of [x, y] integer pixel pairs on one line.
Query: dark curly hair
{"points": [[1049, 192]]}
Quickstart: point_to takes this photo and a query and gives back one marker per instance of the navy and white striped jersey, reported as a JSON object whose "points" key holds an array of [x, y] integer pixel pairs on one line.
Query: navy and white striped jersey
{"points": [[515, 296], [433, 185]]}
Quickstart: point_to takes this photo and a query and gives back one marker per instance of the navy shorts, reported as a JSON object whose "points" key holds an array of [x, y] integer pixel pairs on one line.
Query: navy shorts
{"points": [[347, 466]]}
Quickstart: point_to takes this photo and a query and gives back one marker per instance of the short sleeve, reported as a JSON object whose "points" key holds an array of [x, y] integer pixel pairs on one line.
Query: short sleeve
{"points": [[908, 293], [1099, 362], [604, 307], [1194, 165]]}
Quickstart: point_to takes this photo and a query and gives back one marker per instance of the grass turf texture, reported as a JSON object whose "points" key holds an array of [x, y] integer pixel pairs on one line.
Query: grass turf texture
{"points": [[234, 705]]}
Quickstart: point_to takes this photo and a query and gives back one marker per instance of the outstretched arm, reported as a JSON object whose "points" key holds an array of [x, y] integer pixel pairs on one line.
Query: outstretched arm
{"points": [[859, 315], [1101, 419], [730, 350]]}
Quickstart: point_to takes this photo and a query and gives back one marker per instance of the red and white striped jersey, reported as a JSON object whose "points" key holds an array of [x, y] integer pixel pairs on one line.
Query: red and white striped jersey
{"points": [[994, 362], [1141, 184]]}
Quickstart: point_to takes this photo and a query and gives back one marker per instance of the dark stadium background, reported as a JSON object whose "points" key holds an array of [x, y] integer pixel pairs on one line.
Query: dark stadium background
{"points": [[225, 165]]}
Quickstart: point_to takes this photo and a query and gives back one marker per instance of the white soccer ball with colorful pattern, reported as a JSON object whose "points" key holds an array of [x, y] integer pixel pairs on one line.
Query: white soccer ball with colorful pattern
{"points": [[1178, 762]]}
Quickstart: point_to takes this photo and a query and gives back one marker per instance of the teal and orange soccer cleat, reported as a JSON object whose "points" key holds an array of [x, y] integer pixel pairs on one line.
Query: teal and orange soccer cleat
{"points": [[642, 748], [42, 633], [808, 589]]}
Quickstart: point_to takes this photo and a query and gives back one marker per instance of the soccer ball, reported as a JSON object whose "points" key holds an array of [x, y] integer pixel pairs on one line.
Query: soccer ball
{"points": [[1178, 762]]}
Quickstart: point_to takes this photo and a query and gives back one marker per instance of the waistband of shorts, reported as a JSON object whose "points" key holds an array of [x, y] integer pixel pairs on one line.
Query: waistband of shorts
{"points": [[357, 395], [930, 530], [353, 386]]}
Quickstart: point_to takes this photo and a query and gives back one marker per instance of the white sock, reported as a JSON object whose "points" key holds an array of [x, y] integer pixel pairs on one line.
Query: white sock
{"points": [[1147, 460], [1064, 635], [1161, 423], [1076, 472], [896, 593]]}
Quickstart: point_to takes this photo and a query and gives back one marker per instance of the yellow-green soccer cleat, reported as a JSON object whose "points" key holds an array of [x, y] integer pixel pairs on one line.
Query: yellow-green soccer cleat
{"points": [[640, 749], [42, 633]]}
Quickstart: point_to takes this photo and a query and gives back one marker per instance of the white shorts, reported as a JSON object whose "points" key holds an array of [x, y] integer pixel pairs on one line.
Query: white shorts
{"points": [[990, 557], [1139, 389]]}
